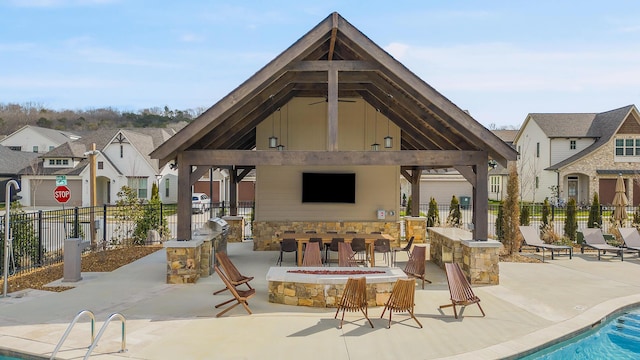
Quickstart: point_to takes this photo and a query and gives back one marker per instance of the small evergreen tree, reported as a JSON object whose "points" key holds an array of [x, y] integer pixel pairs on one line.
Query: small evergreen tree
{"points": [[636, 218], [433, 215], [595, 213], [151, 219], [511, 214], [499, 228], [408, 211], [454, 219], [571, 221], [524, 215], [546, 211], [128, 211]]}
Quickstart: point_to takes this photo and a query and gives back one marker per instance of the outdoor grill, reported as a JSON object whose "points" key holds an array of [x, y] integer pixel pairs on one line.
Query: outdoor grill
{"points": [[220, 229]]}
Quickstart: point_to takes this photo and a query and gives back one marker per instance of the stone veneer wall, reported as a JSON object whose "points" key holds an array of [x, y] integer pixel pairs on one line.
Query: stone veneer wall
{"points": [[236, 228], [416, 227], [265, 232], [183, 262], [479, 260], [323, 295]]}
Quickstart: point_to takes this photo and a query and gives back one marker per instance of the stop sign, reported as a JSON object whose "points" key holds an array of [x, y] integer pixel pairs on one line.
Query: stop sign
{"points": [[62, 194]]}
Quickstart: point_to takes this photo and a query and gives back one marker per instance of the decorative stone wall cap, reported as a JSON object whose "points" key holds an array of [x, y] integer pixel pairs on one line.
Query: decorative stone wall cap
{"points": [[453, 233], [482, 244], [279, 273], [232, 217], [183, 244], [416, 218]]}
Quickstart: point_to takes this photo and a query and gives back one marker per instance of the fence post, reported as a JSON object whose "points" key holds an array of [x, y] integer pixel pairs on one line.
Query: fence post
{"points": [[104, 224], [161, 215], [76, 222], [40, 246]]}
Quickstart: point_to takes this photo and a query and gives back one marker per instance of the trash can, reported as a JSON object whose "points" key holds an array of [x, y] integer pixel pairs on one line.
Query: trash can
{"points": [[72, 254], [465, 202]]}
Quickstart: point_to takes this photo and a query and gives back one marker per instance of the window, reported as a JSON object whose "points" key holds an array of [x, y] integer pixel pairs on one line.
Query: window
{"points": [[139, 186], [572, 144], [35, 148], [495, 184], [58, 161], [51, 147], [65, 162], [15, 148], [52, 162], [627, 147], [166, 188], [100, 165], [121, 151], [537, 182], [537, 149]]}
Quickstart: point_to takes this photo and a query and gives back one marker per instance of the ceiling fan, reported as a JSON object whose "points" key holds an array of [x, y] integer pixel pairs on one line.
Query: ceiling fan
{"points": [[326, 99]]}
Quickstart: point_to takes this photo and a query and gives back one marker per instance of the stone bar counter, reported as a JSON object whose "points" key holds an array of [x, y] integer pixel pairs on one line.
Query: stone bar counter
{"points": [[479, 260], [183, 261]]}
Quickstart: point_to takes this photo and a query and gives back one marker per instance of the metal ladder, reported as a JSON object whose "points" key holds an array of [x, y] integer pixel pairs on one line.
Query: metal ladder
{"points": [[94, 339]]}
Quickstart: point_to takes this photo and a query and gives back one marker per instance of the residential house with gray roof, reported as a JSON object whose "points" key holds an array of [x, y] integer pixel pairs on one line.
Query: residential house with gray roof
{"points": [[575, 155], [11, 162], [37, 139]]}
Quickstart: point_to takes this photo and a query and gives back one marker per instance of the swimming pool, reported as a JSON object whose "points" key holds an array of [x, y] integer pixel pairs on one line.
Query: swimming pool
{"points": [[6, 354], [618, 338]]}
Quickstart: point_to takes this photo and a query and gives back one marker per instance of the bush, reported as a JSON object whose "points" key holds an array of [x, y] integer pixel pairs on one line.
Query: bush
{"points": [[454, 219], [595, 213], [151, 219], [433, 215], [546, 211], [524, 215], [499, 228], [571, 221], [26, 247]]}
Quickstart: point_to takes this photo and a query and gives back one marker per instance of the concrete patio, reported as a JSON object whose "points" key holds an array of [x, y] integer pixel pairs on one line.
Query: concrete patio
{"points": [[534, 303]]}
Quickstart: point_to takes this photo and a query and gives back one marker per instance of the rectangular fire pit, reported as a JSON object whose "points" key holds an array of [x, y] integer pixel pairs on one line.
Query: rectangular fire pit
{"points": [[323, 287]]}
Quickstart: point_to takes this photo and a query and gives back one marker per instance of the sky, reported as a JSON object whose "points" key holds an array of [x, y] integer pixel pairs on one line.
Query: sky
{"points": [[500, 60]]}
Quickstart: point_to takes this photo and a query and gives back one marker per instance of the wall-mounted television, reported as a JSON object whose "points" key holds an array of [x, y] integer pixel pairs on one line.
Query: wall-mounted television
{"points": [[329, 188]]}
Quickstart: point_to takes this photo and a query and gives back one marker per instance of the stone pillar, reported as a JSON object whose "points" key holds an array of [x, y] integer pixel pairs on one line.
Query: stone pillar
{"points": [[481, 261], [183, 261], [236, 228], [416, 227]]}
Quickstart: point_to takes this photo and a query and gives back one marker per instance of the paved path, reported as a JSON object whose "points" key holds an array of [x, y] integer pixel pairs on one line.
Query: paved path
{"points": [[534, 303]]}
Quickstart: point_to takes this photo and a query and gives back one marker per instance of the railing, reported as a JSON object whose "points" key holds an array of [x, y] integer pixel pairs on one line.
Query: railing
{"points": [[123, 347], [66, 333]]}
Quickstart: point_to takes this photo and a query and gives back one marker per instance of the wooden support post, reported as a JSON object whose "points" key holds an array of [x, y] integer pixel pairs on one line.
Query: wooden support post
{"points": [[416, 174], [481, 201], [184, 199]]}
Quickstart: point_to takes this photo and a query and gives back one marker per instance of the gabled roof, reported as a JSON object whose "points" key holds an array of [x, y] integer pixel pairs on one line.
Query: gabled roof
{"points": [[602, 128], [336, 52], [56, 136], [11, 162]]}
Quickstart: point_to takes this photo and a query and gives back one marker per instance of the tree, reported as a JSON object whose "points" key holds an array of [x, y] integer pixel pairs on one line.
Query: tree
{"points": [[408, 211], [499, 227], [571, 221], [595, 213], [151, 219], [454, 219], [433, 216], [128, 212], [524, 215], [546, 211], [511, 213]]}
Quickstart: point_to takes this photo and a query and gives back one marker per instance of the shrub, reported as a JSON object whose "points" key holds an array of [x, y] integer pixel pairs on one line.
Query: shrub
{"points": [[408, 211], [546, 211], [511, 213], [524, 215], [151, 219], [433, 215], [26, 248], [454, 217], [499, 228], [595, 213], [571, 221]]}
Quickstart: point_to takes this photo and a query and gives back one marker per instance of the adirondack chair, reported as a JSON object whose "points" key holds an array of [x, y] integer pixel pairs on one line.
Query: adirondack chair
{"points": [[354, 298], [234, 276], [459, 289], [416, 265], [240, 296], [401, 299], [312, 255], [346, 256]]}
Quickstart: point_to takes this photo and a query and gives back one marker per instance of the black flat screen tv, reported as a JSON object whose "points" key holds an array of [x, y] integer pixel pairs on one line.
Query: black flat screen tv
{"points": [[329, 188]]}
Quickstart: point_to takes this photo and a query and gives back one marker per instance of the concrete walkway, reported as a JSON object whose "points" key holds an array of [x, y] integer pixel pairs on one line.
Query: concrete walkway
{"points": [[533, 304]]}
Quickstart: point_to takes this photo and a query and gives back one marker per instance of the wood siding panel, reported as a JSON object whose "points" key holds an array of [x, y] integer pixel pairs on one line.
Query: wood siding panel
{"points": [[606, 191]]}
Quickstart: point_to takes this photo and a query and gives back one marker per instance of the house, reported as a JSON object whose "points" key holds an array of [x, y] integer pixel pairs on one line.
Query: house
{"points": [[574, 155], [122, 159], [11, 162], [332, 111], [37, 139], [498, 174]]}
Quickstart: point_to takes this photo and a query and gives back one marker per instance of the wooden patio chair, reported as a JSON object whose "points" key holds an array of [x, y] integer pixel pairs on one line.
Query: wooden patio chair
{"points": [[233, 275], [459, 289], [354, 298], [416, 265], [346, 256], [240, 296], [401, 299], [312, 255]]}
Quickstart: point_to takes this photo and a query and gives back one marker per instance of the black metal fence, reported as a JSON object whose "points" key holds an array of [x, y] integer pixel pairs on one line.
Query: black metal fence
{"points": [[38, 237]]}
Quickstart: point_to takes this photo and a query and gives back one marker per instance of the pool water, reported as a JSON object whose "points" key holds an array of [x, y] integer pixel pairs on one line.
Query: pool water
{"points": [[617, 339]]}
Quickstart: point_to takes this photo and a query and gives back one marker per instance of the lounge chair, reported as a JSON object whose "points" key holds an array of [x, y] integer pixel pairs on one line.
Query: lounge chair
{"points": [[354, 298], [401, 299], [531, 238], [240, 296], [593, 238], [416, 265], [631, 238], [234, 276], [312, 255], [459, 289]]}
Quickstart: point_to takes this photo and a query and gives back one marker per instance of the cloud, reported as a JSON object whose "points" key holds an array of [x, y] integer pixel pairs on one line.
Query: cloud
{"points": [[192, 38]]}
